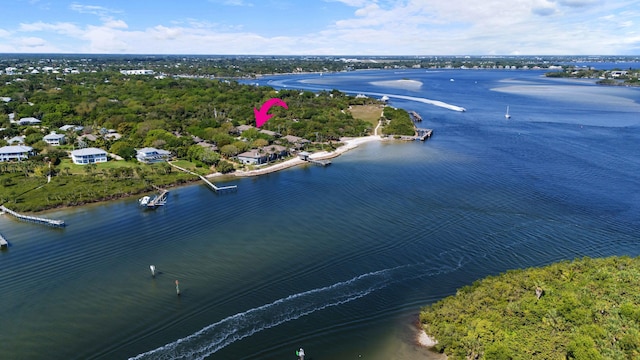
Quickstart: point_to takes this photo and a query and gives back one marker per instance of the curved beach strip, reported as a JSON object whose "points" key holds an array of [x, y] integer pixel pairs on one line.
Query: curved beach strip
{"points": [[349, 143]]}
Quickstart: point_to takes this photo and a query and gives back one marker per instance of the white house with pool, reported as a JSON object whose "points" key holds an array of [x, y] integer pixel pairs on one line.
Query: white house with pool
{"points": [[88, 156]]}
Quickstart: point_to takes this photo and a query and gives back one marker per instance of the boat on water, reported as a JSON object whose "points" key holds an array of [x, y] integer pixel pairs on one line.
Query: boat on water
{"points": [[507, 115], [153, 202], [144, 201]]}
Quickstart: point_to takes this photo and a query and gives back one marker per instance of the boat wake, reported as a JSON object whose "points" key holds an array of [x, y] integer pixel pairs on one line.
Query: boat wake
{"points": [[215, 337]]}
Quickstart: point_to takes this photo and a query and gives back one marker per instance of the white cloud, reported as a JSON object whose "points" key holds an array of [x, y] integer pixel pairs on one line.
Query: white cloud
{"points": [[92, 9], [115, 24], [64, 28], [409, 27]]}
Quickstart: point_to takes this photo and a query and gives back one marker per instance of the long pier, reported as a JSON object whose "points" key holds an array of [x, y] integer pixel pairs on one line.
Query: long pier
{"points": [[211, 185], [217, 188], [33, 219]]}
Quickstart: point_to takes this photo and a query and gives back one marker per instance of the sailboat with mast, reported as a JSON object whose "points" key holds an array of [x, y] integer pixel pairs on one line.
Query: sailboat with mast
{"points": [[507, 115]]}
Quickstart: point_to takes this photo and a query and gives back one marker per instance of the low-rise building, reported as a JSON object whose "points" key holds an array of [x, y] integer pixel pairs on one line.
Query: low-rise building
{"points": [[15, 153], [29, 121], [253, 157], [16, 140], [88, 156], [151, 155], [54, 139]]}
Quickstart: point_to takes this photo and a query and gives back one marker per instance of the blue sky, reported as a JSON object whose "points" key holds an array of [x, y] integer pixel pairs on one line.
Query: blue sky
{"points": [[322, 27]]}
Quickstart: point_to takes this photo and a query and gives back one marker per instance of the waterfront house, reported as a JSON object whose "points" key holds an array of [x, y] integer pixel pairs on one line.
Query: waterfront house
{"points": [[253, 157], [17, 153], [151, 155], [303, 155], [296, 141], [275, 152], [54, 139], [88, 156]]}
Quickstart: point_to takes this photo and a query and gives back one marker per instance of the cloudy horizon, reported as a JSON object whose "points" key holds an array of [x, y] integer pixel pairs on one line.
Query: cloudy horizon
{"points": [[323, 27]]}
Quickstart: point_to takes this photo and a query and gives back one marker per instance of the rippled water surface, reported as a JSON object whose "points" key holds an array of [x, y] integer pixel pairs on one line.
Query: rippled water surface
{"points": [[339, 259]]}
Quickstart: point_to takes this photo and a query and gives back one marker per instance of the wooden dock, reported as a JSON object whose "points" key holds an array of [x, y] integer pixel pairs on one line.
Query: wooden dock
{"points": [[424, 134], [158, 200], [34, 219], [415, 116], [320, 162]]}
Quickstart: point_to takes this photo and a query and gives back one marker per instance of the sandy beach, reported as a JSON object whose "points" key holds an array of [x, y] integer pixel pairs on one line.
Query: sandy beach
{"points": [[426, 340], [349, 144]]}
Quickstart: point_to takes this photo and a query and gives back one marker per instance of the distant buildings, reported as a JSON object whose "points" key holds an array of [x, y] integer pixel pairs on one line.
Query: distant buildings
{"points": [[137, 72]]}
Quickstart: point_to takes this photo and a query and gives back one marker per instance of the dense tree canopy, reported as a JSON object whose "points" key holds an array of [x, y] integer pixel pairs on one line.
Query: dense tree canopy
{"points": [[583, 309]]}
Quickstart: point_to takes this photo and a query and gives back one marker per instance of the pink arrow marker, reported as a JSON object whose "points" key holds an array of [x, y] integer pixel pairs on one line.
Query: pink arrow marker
{"points": [[261, 115]]}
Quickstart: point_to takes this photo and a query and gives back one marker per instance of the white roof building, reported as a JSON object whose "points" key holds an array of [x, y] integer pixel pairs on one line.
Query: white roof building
{"points": [[16, 140], [54, 139], [151, 155], [29, 121], [19, 153], [88, 156]]}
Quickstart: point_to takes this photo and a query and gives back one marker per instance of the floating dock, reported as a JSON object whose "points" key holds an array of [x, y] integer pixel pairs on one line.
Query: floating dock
{"points": [[158, 200], [34, 219], [320, 162]]}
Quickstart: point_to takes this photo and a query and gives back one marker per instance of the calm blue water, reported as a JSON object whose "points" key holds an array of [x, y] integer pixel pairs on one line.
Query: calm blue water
{"points": [[337, 260]]}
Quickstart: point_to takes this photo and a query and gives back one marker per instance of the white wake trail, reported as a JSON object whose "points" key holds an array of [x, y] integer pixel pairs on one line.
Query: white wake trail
{"points": [[216, 336]]}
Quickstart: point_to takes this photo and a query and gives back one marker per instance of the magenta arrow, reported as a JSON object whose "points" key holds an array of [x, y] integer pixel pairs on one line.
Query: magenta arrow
{"points": [[261, 115]]}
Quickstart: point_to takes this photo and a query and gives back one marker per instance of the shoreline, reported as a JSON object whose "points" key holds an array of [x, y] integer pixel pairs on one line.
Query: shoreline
{"points": [[349, 144]]}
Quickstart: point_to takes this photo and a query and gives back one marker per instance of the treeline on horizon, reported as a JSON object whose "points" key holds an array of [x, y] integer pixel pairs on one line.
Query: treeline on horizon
{"points": [[237, 66]]}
